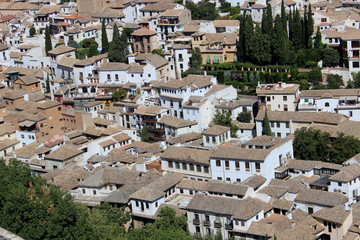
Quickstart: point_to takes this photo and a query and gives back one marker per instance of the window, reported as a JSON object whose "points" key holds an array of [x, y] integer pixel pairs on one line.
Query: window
{"points": [[137, 203], [278, 134], [268, 99], [227, 165], [228, 179], [339, 184], [237, 166], [257, 167], [147, 205], [219, 178], [184, 166], [177, 165], [206, 169], [83, 191], [170, 164], [350, 113], [284, 98], [327, 104], [198, 168], [181, 190], [242, 223], [272, 124], [310, 210], [218, 163], [94, 192], [278, 125], [191, 166], [108, 77], [116, 77], [22, 136], [287, 125], [247, 166]]}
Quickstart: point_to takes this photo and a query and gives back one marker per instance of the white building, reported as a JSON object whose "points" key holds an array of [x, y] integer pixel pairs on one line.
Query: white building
{"points": [[261, 155]]}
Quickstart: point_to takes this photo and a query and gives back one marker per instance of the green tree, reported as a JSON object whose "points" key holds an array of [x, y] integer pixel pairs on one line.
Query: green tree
{"points": [[248, 33], [159, 52], [330, 57], [267, 21], [240, 45], [73, 44], [196, 59], [260, 48], [225, 120], [32, 31], [202, 11], [145, 134], [47, 84], [334, 81], [267, 129], [309, 23], [166, 226], [93, 50], [48, 44], [279, 43], [311, 144], [118, 95], [318, 44], [104, 39], [356, 79], [284, 19], [109, 221], [298, 36], [244, 116], [343, 147], [118, 47]]}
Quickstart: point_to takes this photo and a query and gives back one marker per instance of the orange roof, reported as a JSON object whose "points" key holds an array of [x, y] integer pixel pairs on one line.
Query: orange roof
{"points": [[6, 18], [74, 16]]}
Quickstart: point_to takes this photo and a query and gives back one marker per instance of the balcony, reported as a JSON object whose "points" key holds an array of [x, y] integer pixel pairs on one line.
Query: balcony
{"points": [[147, 119], [196, 221], [217, 224], [168, 21], [229, 226], [206, 223]]}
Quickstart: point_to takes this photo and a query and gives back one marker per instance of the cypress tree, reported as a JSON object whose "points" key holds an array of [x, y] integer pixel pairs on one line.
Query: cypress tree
{"points": [[241, 43], [267, 23], [118, 47], [283, 18], [291, 26], [104, 39], [47, 90], [248, 32], [298, 36], [48, 45], [267, 129], [318, 43], [310, 23], [277, 40]]}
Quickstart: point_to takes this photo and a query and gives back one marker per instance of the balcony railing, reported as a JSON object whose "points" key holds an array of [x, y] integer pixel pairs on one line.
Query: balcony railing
{"points": [[217, 224], [196, 221], [206, 223], [229, 226]]}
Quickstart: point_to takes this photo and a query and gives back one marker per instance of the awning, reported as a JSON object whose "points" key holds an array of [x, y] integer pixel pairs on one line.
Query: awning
{"points": [[26, 123]]}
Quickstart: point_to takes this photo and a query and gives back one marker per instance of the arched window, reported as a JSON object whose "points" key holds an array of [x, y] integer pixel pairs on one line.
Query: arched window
{"points": [[327, 104]]}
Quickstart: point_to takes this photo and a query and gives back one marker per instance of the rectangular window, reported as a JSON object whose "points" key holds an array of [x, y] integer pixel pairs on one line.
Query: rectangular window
{"points": [[284, 98], [116, 77], [191, 166], [218, 163], [108, 77], [147, 205], [206, 169], [184, 166], [278, 125], [272, 124], [287, 125], [257, 167], [227, 165], [237, 166], [310, 210], [177, 165], [198, 168], [247, 166], [170, 164], [268, 99]]}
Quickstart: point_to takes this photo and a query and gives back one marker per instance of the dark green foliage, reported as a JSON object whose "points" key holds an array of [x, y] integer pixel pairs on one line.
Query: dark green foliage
{"points": [[73, 43], [356, 79], [58, 44], [158, 51], [32, 31], [318, 44], [166, 226], [330, 57], [196, 59], [81, 53], [334, 81], [309, 23], [279, 42], [260, 48], [225, 7], [306, 55], [118, 95], [104, 39], [267, 129], [267, 21], [225, 120], [284, 19], [202, 11], [32, 210], [48, 44], [118, 47], [312, 144], [93, 50], [244, 117], [145, 134], [47, 84]]}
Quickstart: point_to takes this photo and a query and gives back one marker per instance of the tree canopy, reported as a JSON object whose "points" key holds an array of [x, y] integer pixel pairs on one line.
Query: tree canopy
{"points": [[202, 11], [48, 44], [313, 144], [118, 50], [244, 117], [267, 129], [225, 120], [145, 134], [104, 39]]}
